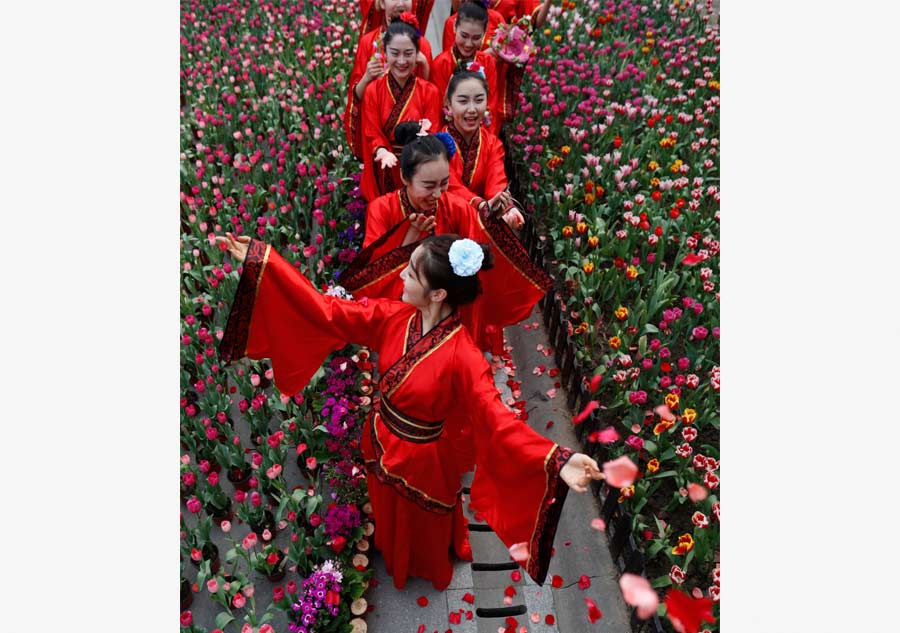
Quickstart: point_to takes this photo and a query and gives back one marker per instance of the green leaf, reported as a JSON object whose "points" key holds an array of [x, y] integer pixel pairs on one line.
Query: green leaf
{"points": [[223, 620], [650, 447], [662, 581], [654, 549], [667, 473]]}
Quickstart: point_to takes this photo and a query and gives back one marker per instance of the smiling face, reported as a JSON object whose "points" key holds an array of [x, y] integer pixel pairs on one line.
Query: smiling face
{"points": [[428, 183], [469, 34], [393, 8], [401, 55], [467, 105]]}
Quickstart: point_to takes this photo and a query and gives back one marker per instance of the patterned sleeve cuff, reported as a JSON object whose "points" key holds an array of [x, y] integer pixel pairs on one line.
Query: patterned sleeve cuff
{"points": [[237, 330], [541, 546]]}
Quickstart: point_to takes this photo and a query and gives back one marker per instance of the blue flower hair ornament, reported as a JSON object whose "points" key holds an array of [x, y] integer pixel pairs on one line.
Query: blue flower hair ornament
{"points": [[466, 257], [447, 140]]}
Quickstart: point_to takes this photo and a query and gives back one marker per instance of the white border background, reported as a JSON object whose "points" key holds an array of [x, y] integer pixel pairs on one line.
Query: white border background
{"points": [[811, 334]]}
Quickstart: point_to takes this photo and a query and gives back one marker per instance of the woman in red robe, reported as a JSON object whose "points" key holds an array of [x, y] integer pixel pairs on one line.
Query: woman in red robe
{"points": [[396, 97], [438, 414], [372, 13], [477, 171], [494, 20], [370, 64], [395, 223], [471, 22]]}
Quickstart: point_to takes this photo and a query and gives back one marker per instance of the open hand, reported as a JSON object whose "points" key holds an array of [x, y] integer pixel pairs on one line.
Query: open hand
{"points": [[579, 471], [237, 246], [500, 201], [385, 158]]}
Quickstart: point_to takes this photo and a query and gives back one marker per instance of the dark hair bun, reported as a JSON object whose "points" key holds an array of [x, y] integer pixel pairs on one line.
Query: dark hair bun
{"points": [[406, 131]]}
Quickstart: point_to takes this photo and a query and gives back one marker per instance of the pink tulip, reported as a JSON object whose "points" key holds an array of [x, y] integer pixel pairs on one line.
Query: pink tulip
{"points": [[238, 601], [620, 472], [212, 585], [637, 592]]}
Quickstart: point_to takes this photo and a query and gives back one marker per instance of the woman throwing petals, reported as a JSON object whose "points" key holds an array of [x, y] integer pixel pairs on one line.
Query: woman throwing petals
{"points": [[438, 414]]}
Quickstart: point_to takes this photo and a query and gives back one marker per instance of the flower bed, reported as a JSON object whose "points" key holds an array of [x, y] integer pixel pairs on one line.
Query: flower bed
{"points": [[617, 150], [262, 154]]}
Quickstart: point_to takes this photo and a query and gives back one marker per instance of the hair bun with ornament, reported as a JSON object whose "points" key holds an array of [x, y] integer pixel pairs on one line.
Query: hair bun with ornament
{"points": [[447, 140], [411, 19], [466, 257]]}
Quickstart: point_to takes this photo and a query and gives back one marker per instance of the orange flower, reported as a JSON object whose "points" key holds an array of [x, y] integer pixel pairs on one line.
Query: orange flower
{"points": [[631, 273], [599, 191], [672, 400], [614, 342], [589, 186], [568, 231], [689, 416], [565, 150], [665, 425], [588, 267], [582, 328], [557, 38], [593, 241], [653, 465], [621, 313], [626, 493], [589, 198], [581, 227], [685, 544]]}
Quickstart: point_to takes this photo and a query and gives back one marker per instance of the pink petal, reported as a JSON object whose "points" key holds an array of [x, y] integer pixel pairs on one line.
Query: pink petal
{"points": [[519, 552], [598, 524], [692, 259], [535, 617], [620, 472], [608, 435], [664, 412], [507, 600], [551, 393], [637, 592], [696, 492], [581, 417]]}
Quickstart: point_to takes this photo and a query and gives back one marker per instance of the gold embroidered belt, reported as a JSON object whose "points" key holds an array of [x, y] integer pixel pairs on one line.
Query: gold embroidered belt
{"points": [[406, 427]]}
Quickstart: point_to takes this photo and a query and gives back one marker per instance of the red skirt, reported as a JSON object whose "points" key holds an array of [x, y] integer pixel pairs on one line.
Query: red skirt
{"points": [[415, 541]]}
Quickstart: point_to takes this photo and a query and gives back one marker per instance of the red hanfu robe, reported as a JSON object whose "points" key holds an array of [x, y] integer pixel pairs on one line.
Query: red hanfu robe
{"points": [[385, 105], [449, 35], [445, 64], [368, 44], [512, 10], [438, 413], [373, 19], [510, 288], [477, 171]]}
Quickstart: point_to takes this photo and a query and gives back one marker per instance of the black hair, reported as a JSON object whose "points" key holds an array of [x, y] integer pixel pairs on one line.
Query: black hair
{"points": [[472, 11], [435, 268], [398, 27], [461, 75], [417, 150]]}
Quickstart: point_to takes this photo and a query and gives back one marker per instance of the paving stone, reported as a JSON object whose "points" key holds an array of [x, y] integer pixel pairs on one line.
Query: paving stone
{"points": [[396, 610], [571, 609]]}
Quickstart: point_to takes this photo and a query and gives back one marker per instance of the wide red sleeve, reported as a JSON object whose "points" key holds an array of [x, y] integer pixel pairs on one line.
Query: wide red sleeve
{"points": [[278, 314], [517, 486], [441, 70], [494, 166], [373, 103], [382, 214], [432, 102]]}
